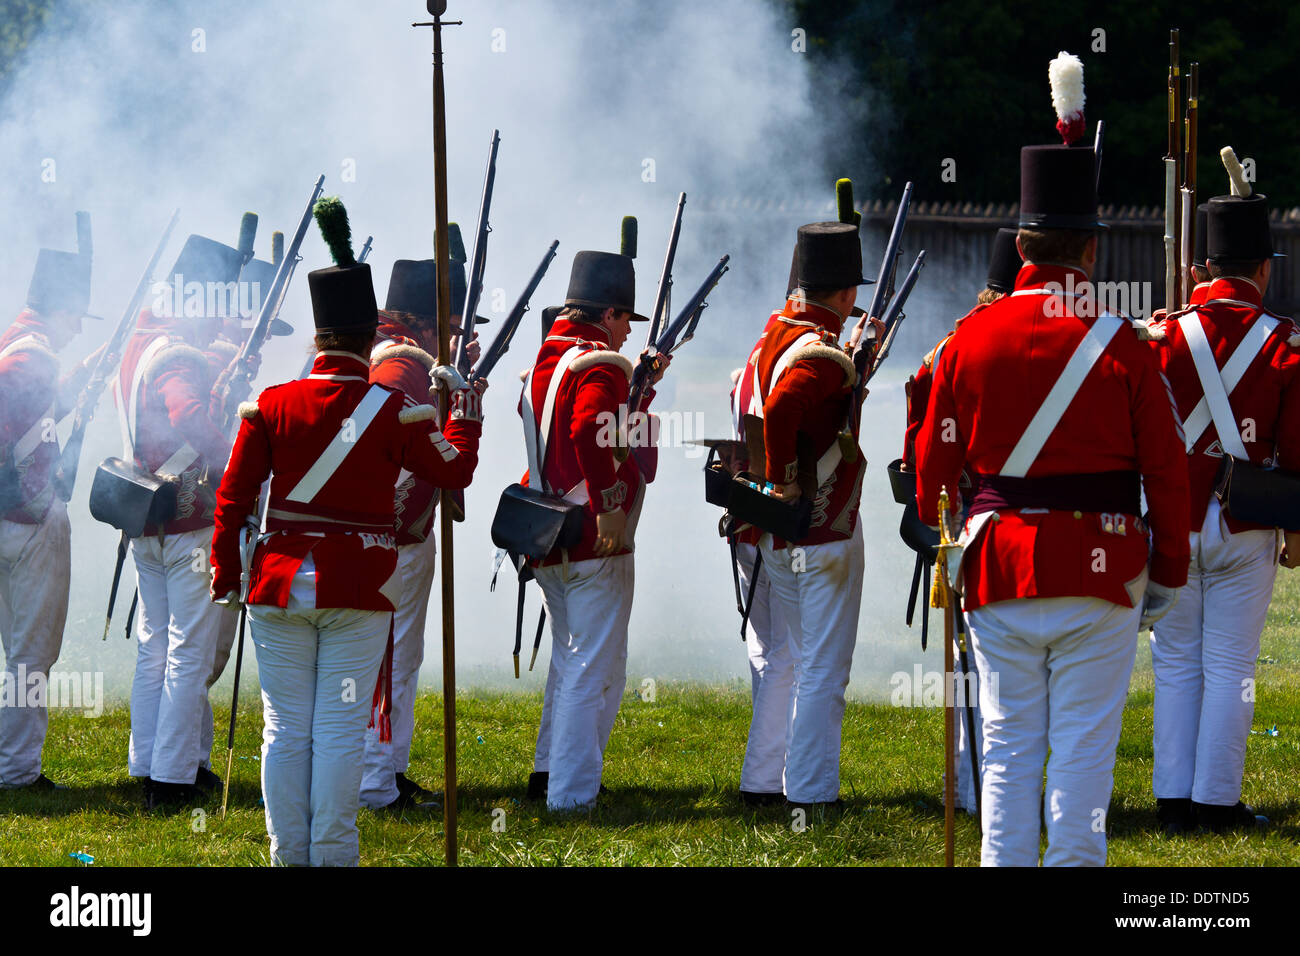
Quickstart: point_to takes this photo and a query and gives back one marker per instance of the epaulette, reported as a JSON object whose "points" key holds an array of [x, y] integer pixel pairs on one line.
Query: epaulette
{"points": [[417, 413], [176, 353], [33, 343], [523, 375], [1153, 330], [396, 349], [835, 355], [248, 409], [602, 357], [735, 375]]}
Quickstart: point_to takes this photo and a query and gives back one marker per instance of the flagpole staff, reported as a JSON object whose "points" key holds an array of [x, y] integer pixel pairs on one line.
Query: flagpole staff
{"points": [[941, 596], [436, 9]]}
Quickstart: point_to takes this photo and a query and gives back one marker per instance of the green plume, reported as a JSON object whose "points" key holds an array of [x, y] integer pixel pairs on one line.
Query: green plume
{"points": [[628, 244], [277, 248], [247, 233], [844, 202], [334, 229]]}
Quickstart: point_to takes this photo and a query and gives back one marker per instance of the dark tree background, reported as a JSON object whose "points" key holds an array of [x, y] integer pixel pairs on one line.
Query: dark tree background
{"points": [[968, 80]]}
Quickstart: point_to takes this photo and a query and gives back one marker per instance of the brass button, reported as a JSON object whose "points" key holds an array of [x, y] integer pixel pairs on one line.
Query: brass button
{"points": [[1078, 514]]}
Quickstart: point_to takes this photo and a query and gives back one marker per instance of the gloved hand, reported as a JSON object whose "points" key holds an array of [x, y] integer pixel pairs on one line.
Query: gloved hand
{"points": [[1158, 602], [466, 401]]}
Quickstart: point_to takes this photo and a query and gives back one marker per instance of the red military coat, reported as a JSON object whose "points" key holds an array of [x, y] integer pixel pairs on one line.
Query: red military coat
{"points": [[400, 361], [1266, 402], [742, 404], [579, 449], [918, 391], [32, 397], [989, 382], [809, 405], [346, 525], [165, 383]]}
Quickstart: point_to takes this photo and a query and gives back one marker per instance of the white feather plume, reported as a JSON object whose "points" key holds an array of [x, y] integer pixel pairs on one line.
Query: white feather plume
{"points": [[1235, 173], [1065, 74]]}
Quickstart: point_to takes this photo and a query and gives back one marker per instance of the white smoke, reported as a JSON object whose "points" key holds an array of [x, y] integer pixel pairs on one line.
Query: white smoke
{"points": [[131, 109]]}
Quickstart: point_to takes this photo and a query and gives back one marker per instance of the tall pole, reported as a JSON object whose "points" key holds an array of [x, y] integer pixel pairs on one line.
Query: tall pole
{"points": [[437, 8]]}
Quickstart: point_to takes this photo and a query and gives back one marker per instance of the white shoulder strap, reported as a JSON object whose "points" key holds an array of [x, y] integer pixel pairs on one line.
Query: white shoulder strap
{"points": [[1216, 394], [1231, 374], [337, 450], [782, 363], [536, 436], [1045, 420]]}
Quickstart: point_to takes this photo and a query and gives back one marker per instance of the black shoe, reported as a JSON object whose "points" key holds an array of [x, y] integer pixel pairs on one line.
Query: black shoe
{"points": [[206, 780], [42, 784], [752, 799], [412, 792], [538, 781], [159, 795], [836, 804], [1220, 819], [1175, 815]]}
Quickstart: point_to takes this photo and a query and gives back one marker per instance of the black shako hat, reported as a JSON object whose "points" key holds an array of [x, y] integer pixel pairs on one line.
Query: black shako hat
{"points": [[61, 280], [1199, 253], [830, 256], [206, 260], [413, 288], [258, 276], [343, 295], [1058, 188], [1237, 229], [1004, 261], [603, 280]]}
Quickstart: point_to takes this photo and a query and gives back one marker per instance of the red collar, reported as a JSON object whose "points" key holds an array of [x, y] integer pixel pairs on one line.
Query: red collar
{"points": [[799, 309], [1231, 287], [1036, 275], [585, 331], [340, 363]]}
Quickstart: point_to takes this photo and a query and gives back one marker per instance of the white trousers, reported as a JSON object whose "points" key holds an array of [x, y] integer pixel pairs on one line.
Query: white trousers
{"points": [[384, 761], [771, 672], [589, 613], [177, 631], [318, 671], [35, 571], [1054, 675], [819, 589], [1203, 654]]}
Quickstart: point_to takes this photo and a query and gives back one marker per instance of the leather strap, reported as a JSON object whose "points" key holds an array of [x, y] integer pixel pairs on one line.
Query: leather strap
{"points": [[1230, 375], [1212, 384], [340, 447]]}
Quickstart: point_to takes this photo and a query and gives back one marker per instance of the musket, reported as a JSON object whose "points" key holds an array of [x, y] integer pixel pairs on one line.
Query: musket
{"points": [[1097, 143], [894, 317], [1173, 160], [65, 477], [501, 344], [880, 301], [477, 258], [365, 249], [674, 336], [941, 596], [1188, 192], [664, 294], [240, 381]]}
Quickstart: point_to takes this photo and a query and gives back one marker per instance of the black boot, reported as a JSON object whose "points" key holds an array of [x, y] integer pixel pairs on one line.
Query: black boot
{"points": [[1174, 815], [1220, 819], [412, 796], [206, 780], [753, 799], [538, 781], [162, 796]]}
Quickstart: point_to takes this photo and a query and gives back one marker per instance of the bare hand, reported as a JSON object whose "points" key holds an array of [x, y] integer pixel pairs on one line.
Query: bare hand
{"points": [[1290, 557], [790, 492], [610, 528]]}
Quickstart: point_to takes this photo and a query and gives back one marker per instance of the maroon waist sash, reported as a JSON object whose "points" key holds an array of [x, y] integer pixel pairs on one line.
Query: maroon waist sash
{"points": [[1117, 492]]}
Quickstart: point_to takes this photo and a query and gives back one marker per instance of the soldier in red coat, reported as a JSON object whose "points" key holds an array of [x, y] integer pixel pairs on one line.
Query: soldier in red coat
{"points": [[323, 580], [403, 357], [802, 398], [1004, 265], [1060, 416], [35, 537], [168, 409], [573, 401], [1235, 372]]}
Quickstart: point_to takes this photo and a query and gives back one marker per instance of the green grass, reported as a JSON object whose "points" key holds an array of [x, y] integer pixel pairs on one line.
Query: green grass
{"points": [[672, 770]]}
